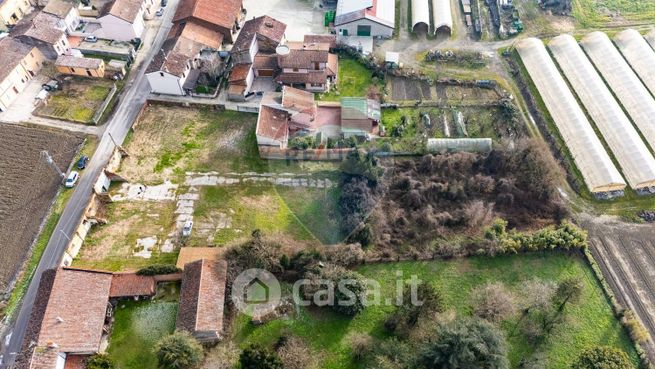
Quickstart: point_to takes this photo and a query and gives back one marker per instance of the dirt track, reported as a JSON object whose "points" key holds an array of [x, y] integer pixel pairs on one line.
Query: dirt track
{"points": [[27, 187], [626, 255]]}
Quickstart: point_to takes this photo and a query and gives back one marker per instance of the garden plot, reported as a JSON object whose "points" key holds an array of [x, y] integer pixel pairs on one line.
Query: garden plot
{"points": [[439, 93], [27, 187], [77, 101]]}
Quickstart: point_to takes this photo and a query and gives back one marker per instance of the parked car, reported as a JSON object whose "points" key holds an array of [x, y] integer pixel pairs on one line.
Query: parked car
{"points": [[81, 164], [160, 12], [72, 179], [186, 230], [91, 39], [52, 85]]}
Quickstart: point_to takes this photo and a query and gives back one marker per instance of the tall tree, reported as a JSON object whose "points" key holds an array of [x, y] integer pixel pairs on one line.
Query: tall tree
{"points": [[602, 357]]}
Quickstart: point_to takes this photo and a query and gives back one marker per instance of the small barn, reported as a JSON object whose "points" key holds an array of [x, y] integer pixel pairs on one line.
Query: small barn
{"points": [[80, 66]]}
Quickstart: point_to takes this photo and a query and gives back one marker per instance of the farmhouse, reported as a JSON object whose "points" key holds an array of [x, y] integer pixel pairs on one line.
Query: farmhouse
{"points": [[21, 62], [45, 31], [87, 67], [12, 11], [308, 66], [294, 113], [65, 11], [202, 299], [365, 18], [72, 313], [221, 16], [122, 20], [188, 51]]}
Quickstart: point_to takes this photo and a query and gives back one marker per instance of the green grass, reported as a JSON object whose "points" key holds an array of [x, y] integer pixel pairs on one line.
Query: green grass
{"points": [[593, 13], [354, 81], [138, 326], [78, 101], [588, 322]]}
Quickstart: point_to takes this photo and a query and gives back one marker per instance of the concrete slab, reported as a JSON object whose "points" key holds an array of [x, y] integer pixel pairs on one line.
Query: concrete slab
{"points": [[301, 17], [21, 109]]}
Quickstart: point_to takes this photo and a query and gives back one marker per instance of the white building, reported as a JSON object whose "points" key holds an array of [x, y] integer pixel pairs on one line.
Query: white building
{"points": [[375, 18], [123, 20], [65, 11]]}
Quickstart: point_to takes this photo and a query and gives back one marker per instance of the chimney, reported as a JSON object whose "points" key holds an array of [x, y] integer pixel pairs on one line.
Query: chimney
{"points": [[52, 345], [59, 319]]}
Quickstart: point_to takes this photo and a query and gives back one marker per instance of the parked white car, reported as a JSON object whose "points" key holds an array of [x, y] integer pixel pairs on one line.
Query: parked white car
{"points": [[186, 230], [71, 180]]}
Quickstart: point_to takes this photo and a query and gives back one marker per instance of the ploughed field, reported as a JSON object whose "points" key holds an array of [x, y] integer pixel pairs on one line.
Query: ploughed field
{"points": [[28, 186]]}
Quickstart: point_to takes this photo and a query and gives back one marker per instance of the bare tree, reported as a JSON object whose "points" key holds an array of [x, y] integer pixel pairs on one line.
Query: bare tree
{"points": [[493, 302]]}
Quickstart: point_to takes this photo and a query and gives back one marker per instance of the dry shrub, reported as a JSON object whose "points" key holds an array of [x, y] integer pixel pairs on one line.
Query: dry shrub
{"points": [[295, 354], [223, 356], [361, 345], [493, 302], [345, 255]]}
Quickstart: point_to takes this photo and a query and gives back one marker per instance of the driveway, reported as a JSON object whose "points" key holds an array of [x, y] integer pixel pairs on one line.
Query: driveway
{"points": [[21, 109], [301, 17]]}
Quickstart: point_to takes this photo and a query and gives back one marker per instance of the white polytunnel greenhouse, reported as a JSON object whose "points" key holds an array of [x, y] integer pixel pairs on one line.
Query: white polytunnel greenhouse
{"points": [[441, 16], [420, 16], [650, 37], [630, 151], [639, 55], [627, 87], [437, 145], [593, 162]]}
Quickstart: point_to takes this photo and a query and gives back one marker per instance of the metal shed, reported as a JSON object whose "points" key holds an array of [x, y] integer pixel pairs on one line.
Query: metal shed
{"points": [[440, 145], [639, 54], [420, 16], [593, 162], [632, 154], [441, 16], [627, 87]]}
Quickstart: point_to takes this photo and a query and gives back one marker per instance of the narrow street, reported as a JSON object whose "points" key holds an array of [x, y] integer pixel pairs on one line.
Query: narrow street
{"points": [[128, 107]]}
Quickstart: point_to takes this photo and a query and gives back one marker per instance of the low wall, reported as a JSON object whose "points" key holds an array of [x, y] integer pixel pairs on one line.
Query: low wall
{"points": [[309, 154]]}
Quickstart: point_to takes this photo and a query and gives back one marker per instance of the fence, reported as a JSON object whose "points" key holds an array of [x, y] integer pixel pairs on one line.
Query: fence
{"points": [[105, 104]]}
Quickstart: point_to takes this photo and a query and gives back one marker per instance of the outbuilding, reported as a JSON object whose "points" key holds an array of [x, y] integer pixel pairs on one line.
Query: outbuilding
{"points": [[375, 18]]}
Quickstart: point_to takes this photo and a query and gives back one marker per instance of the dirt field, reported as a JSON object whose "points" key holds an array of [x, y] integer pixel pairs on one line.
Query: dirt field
{"points": [[27, 187], [403, 89]]}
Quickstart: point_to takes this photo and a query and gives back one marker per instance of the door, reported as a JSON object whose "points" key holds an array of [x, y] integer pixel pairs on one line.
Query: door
{"points": [[363, 30], [265, 73]]}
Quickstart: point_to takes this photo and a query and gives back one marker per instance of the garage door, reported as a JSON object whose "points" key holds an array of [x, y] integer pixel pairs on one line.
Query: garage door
{"points": [[363, 30], [265, 73]]}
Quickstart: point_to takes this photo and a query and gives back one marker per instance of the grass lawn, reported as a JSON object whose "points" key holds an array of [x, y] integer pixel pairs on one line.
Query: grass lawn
{"points": [[588, 322], [598, 13], [354, 81], [138, 325], [77, 101]]}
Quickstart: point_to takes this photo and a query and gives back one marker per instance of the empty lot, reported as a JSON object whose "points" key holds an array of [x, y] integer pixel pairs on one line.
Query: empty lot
{"points": [[27, 187]]}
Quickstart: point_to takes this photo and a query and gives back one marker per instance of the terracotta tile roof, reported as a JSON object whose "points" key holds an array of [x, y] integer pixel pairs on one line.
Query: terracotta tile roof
{"points": [[223, 13], [75, 315], [311, 77], [330, 40], [239, 73], [60, 8], [333, 65], [39, 26], [273, 123], [263, 26], [127, 10], [200, 33], [202, 298], [132, 285], [191, 254], [78, 62], [174, 56], [300, 58], [298, 100], [265, 61], [44, 358], [76, 361], [13, 51]]}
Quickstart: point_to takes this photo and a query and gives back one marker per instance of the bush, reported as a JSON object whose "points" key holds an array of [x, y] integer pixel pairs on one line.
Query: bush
{"points": [[345, 255], [402, 321], [493, 302], [348, 300], [602, 357], [635, 329], [178, 351], [471, 344], [295, 354], [256, 253], [361, 345], [159, 269], [257, 357], [565, 237], [302, 143], [99, 361]]}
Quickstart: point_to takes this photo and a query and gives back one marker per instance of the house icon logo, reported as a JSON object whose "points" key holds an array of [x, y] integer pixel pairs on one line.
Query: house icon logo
{"points": [[256, 292]]}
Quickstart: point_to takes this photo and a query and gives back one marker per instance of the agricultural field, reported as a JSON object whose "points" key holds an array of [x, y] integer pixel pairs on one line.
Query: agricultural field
{"points": [[205, 165], [328, 335], [604, 13], [22, 167], [77, 101]]}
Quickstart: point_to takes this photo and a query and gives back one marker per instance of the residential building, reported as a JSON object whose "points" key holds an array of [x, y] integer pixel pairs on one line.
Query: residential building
{"points": [[308, 66], [12, 11], [65, 11], [189, 51], [365, 18], [45, 31], [81, 66], [222, 16], [72, 315], [202, 300], [122, 20], [20, 63]]}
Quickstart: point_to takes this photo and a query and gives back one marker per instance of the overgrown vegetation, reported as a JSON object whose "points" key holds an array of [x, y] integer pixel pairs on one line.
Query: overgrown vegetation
{"points": [[178, 351], [159, 269]]}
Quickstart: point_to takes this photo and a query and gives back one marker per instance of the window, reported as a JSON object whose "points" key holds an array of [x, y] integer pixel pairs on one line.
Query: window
{"points": [[31, 54], [295, 69], [161, 74], [15, 90], [72, 70], [363, 30], [88, 73]]}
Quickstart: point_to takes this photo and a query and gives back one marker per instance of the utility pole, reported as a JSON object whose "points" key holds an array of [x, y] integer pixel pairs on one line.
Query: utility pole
{"points": [[45, 155]]}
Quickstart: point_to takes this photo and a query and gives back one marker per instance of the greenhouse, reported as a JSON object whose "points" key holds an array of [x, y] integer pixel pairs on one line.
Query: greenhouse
{"points": [[438, 145], [635, 160], [420, 16], [627, 87], [441, 16], [593, 162], [650, 37], [639, 55]]}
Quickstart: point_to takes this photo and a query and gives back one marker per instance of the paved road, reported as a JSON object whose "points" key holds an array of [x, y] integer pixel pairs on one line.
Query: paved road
{"points": [[131, 102]]}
